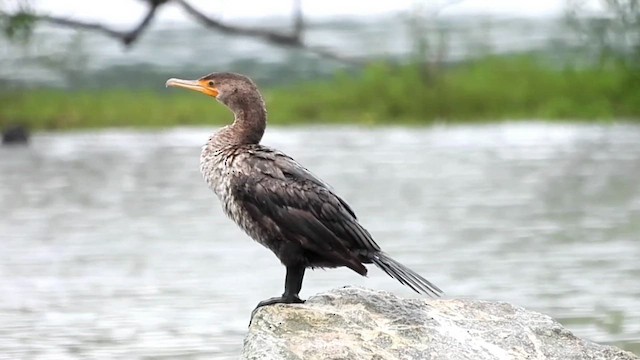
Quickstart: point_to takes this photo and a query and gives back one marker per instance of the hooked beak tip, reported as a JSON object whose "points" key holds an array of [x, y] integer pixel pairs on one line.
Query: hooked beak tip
{"points": [[170, 82]]}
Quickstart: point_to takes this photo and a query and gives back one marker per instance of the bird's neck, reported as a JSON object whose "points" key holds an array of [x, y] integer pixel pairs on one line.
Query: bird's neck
{"points": [[248, 126]]}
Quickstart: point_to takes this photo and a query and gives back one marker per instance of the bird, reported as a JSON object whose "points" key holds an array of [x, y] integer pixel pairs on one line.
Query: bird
{"points": [[278, 202]]}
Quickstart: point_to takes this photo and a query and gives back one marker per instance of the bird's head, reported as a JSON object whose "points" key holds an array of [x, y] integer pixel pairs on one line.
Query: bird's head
{"points": [[231, 89]]}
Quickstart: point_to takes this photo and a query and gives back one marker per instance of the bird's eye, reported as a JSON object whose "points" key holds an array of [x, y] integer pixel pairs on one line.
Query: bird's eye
{"points": [[211, 83]]}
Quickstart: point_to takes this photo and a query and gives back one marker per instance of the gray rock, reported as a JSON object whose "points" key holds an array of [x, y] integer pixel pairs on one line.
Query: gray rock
{"points": [[356, 324]]}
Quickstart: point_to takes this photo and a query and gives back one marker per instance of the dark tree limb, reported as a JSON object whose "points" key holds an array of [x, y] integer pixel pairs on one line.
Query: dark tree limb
{"points": [[291, 39], [126, 37], [298, 19], [274, 37]]}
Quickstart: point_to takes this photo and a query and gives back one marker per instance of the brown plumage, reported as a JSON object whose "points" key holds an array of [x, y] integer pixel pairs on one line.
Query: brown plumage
{"points": [[278, 202]]}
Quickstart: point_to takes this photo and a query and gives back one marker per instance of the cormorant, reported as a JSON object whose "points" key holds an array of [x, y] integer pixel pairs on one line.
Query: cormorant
{"points": [[278, 202]]}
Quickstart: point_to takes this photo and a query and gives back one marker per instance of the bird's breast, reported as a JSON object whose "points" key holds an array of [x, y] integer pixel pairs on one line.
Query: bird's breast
{"points": [[214, 166], [220, 170]]}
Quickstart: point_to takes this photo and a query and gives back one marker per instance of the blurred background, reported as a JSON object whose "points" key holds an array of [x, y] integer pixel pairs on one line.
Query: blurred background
{"points": [[491, 145]]}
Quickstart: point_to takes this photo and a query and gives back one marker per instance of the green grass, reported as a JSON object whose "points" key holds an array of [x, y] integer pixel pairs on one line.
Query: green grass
{"points": [[490, 89]]}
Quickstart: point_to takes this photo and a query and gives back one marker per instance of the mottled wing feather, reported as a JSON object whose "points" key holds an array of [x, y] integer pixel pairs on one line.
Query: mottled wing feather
{"points": [[331, 212], [287, 199], [304, 207]]}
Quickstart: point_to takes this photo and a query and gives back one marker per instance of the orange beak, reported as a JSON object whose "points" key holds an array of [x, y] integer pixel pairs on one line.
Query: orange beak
{"points": [[196, 85]]}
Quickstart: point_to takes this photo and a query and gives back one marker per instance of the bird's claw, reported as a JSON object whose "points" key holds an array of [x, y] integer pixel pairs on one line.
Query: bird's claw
{"points": [[294, 299]]}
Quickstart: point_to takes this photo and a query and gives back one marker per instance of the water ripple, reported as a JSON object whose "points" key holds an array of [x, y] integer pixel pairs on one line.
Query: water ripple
{"points": [[113, 247]]}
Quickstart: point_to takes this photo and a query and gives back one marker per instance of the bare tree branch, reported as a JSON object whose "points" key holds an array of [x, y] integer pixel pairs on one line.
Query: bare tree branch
{"points": [[293, 39], [78, 24], [127, 37], [277, 38], [298, 18]]}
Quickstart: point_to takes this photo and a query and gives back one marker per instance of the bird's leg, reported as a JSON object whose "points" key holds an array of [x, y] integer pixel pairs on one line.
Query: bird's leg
{"points": [[292, 286]]}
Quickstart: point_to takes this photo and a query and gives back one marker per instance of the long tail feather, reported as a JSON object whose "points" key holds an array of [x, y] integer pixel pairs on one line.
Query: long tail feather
{"points": [[405, 275]]}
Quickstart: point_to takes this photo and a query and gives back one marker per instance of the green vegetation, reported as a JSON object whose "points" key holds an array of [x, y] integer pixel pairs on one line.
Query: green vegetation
{"points": [[491, 89]]}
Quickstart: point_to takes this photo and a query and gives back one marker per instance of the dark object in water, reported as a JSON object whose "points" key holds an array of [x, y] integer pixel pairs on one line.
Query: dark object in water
{"points": [[15, 135], [278, 202]]}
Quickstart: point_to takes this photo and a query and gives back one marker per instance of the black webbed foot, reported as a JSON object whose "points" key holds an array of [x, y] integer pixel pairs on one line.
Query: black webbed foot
{"points": [[291, 299], [292, 285]]}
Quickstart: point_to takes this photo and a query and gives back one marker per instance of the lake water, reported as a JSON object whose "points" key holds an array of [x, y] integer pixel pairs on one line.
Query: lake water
{"points": [[113, 247]]}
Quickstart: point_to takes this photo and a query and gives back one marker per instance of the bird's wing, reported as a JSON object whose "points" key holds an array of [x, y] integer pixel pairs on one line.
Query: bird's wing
{"points": [[274, 186], [292, 170]]}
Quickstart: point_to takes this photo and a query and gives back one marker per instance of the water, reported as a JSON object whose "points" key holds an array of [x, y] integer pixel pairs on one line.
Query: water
{"points": [[113, 247]]}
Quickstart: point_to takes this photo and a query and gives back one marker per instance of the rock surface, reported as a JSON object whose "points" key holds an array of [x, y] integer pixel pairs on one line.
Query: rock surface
{"points": [[356, 324]]}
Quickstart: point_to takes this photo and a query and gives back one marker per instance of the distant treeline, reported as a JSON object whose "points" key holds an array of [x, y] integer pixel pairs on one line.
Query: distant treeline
{"points": [[493, 88]]}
